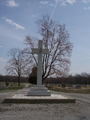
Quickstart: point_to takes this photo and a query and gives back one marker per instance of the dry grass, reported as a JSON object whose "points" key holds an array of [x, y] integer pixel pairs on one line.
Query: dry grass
{"points": [[83, 90], [11, 86]]}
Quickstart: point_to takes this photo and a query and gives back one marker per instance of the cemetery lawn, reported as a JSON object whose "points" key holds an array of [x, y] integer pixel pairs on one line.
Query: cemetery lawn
{"points": [[67, 90], [31, 85], [10, 87]]}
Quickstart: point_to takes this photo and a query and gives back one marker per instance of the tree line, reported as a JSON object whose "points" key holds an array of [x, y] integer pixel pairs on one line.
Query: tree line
{"points": [[82, 78], [7, 78]]}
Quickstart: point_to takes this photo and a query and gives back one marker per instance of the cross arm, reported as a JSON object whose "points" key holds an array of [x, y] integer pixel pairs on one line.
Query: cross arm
{"points": [[34, 50], [45, 51]]}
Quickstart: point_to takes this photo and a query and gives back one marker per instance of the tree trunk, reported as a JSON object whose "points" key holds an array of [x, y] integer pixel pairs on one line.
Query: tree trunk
{"points": [[18, 80]]}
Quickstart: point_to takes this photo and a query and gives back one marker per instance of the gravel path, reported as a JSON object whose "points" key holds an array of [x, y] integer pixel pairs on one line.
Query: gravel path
{"points": [[72, 111], [80, 97]]}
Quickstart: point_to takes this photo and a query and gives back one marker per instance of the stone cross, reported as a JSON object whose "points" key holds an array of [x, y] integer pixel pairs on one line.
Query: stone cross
{"points": [[39, 51]]}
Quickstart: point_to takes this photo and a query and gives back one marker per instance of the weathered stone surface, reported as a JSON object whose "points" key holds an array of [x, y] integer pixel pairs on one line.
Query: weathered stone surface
{"points": [[39, 89]]}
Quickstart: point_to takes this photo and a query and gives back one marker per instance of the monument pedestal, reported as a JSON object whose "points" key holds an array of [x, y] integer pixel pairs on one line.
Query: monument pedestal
{"points": [[39, 90]]}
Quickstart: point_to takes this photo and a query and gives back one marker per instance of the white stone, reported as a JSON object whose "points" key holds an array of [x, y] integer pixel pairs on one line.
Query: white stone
{"points": [[39, 89], [53, 96]]}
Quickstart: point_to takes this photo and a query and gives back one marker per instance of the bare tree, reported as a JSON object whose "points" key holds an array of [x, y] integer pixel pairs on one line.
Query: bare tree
{"points": [[17, 64], [56, 39]]}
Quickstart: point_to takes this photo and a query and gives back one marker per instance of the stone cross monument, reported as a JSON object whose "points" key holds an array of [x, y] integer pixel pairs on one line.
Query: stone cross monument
{"points": [[39, 51], [39, 89]]}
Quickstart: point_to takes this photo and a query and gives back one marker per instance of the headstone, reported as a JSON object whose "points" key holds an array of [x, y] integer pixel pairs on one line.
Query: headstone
{"points": [[79, 86], [7, 84], [39, 89], [74, 86], [2, 87]]}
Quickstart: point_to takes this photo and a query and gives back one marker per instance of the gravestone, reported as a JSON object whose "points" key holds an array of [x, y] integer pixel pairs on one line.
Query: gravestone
{"points": [[39, 89], [87, 85], [2, 87], [7, 84]]}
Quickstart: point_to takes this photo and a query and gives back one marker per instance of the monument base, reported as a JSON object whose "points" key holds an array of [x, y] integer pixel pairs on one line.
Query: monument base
{"points": [[39, 90], [53, 99]]}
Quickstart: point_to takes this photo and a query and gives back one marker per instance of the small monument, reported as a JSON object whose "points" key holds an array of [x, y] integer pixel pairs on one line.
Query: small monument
{"points": [[39, 89]]}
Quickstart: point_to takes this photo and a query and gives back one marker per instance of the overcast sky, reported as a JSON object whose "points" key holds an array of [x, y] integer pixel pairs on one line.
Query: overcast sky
{"points": [[18, 17]]}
